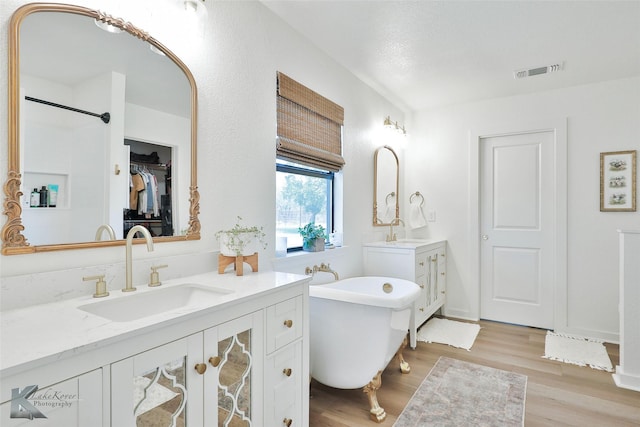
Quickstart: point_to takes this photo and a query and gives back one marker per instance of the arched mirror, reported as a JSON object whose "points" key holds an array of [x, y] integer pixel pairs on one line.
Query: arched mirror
{"points": [[386, 176], [96, 106]]}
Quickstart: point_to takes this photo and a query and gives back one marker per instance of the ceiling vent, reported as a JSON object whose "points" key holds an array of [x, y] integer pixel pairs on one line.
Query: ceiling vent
{"points": [[521, 74]]}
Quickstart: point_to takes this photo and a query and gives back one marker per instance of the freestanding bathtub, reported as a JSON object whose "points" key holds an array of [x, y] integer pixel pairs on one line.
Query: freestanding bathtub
{"points": [[357, 325]]}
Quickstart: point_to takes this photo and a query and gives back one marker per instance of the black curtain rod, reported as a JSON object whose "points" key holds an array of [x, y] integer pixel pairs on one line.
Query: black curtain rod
{"points": [[105, 117]]}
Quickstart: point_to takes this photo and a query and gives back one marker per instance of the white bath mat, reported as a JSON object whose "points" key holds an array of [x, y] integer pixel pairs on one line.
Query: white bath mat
{"points": [[577, 351], [455, 334]]}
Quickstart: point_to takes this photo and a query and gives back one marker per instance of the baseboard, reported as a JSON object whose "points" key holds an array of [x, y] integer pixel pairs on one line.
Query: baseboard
{"points": [[622, 380]]}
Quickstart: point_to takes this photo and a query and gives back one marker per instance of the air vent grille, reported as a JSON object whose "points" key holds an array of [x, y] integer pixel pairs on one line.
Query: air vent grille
{"points": [[521, 74]]}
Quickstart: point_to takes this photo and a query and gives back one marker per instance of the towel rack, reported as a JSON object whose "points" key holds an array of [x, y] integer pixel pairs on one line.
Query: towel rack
{"points": [[417, 194]]}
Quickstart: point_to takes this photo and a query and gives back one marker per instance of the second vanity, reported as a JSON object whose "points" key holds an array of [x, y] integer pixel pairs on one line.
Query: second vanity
{"points": [[208, 348], [420, 261]]}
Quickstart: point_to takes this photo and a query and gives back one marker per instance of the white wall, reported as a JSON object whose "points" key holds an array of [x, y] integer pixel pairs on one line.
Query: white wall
{"points": [[235, 69], [600, 117]]}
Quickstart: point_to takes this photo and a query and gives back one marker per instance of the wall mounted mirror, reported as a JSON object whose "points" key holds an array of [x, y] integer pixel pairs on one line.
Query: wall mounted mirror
{"points": [[94, 104], [386, 177]]}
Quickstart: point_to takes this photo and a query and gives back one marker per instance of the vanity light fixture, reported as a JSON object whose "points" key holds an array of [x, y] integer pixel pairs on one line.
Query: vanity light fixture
{"points": [[388, 124]]}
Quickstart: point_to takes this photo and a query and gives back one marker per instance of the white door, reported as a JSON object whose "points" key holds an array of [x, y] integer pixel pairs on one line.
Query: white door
{"points": [[517, 228]]}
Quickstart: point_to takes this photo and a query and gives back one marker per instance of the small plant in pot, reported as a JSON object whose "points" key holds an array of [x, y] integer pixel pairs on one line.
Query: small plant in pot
{"points": [[312, 237], [241, 239]]}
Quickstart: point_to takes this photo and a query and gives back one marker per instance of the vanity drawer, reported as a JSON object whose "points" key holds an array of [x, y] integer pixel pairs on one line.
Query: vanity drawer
{"points": [[284, 323], [283, 380]]}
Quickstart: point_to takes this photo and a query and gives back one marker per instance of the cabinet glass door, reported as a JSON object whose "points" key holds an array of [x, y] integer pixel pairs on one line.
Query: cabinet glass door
{"points": [[160, 395], [161, 387], [234, 387], [235, 350]]}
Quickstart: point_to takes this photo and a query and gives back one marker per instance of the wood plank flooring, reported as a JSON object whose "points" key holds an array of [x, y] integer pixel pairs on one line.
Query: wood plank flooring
{"points": [[558, 394]]}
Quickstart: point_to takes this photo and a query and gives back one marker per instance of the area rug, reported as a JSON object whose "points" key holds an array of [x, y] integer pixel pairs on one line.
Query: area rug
{"points": [[444, 331], [457, 393], [577, 351]]}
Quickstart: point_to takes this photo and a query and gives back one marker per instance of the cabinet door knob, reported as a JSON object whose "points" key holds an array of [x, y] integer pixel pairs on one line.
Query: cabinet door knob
{"points": [[442, 273], [421, 309], [421, 285], [287, 422], [287, 371], [215, 361], [421, 263], [288, 323], [200, 368]]}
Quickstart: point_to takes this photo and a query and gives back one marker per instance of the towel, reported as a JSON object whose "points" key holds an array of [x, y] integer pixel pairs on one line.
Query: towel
{"points": [[416, 216]]}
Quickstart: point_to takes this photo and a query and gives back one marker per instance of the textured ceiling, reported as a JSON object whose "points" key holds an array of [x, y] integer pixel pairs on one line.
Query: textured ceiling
{"points": [[423, 54]]}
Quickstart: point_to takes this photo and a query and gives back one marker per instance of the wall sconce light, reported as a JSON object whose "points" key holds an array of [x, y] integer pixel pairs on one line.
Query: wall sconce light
{"points": [[195, 7], [388, 124]]}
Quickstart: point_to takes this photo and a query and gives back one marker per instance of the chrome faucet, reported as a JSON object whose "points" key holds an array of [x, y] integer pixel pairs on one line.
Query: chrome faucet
{"points": [[129, 281], [108, 229], [392, 236]]}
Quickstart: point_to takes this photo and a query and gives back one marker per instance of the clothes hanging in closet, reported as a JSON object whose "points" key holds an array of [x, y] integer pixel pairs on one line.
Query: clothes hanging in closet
{"points": [[143, 195]]}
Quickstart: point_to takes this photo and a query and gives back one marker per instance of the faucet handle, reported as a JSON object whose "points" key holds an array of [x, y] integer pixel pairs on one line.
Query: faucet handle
{"points": [[101, 285], [154, 278]]}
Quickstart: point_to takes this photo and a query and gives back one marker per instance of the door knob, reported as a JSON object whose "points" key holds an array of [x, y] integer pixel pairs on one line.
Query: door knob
{"points": [[485, 237]]}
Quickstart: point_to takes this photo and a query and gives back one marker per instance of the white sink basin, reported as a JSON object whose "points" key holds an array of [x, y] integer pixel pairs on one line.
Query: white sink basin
{"points": [[144, 304]]}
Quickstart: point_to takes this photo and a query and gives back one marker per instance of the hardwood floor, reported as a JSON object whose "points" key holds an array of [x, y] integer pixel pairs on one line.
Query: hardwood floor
{"points": [[558, 394]]}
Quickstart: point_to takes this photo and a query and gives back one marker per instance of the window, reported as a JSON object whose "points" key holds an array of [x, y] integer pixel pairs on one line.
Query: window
{"points": [[303, 195], [309, 152]]}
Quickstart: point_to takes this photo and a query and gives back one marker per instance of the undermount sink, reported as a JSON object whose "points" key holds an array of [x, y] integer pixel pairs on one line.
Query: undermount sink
{"points": [[140, 305]]}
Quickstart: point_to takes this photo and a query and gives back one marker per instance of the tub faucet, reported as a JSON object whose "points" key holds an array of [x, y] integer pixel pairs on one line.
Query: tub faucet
{"points": [[108, 229], [392, 236], [129, 281], [323, 267]]}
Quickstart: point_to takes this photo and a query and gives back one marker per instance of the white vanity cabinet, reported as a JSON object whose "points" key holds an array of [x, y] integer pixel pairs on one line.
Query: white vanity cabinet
{"points": [[76, 401], [422, 262], [246, 359], [184, 379]]}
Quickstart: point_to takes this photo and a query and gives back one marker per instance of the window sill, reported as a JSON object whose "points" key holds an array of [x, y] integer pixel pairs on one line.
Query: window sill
{"points": [[293, 259]]}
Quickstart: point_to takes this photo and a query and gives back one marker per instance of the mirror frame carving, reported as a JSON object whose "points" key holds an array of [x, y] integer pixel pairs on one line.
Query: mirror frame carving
{"points": [[13, 241], [377, 222]]}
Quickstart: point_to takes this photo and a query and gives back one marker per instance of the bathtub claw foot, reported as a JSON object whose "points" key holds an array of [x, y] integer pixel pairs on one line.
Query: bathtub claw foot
{"points": [[404, 365], [376, 413]]}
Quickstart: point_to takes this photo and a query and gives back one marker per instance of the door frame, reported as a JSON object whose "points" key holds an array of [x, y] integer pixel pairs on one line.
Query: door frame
{"points": [[559, 129]]}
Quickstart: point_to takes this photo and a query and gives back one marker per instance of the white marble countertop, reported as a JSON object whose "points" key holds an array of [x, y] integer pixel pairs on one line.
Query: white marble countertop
{"points": [[41, 333], [403, 243]]}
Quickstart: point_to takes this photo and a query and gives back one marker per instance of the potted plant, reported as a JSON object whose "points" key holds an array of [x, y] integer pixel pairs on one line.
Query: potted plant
{"points": [[312, 237], [240, 240]]}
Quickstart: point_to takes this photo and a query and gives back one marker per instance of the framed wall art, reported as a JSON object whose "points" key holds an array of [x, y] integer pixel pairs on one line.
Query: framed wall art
{"points": [[618, 181]]}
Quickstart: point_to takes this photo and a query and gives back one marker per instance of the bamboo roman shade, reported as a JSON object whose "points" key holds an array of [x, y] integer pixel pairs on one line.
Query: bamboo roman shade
{"points": [[309, 126]]}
